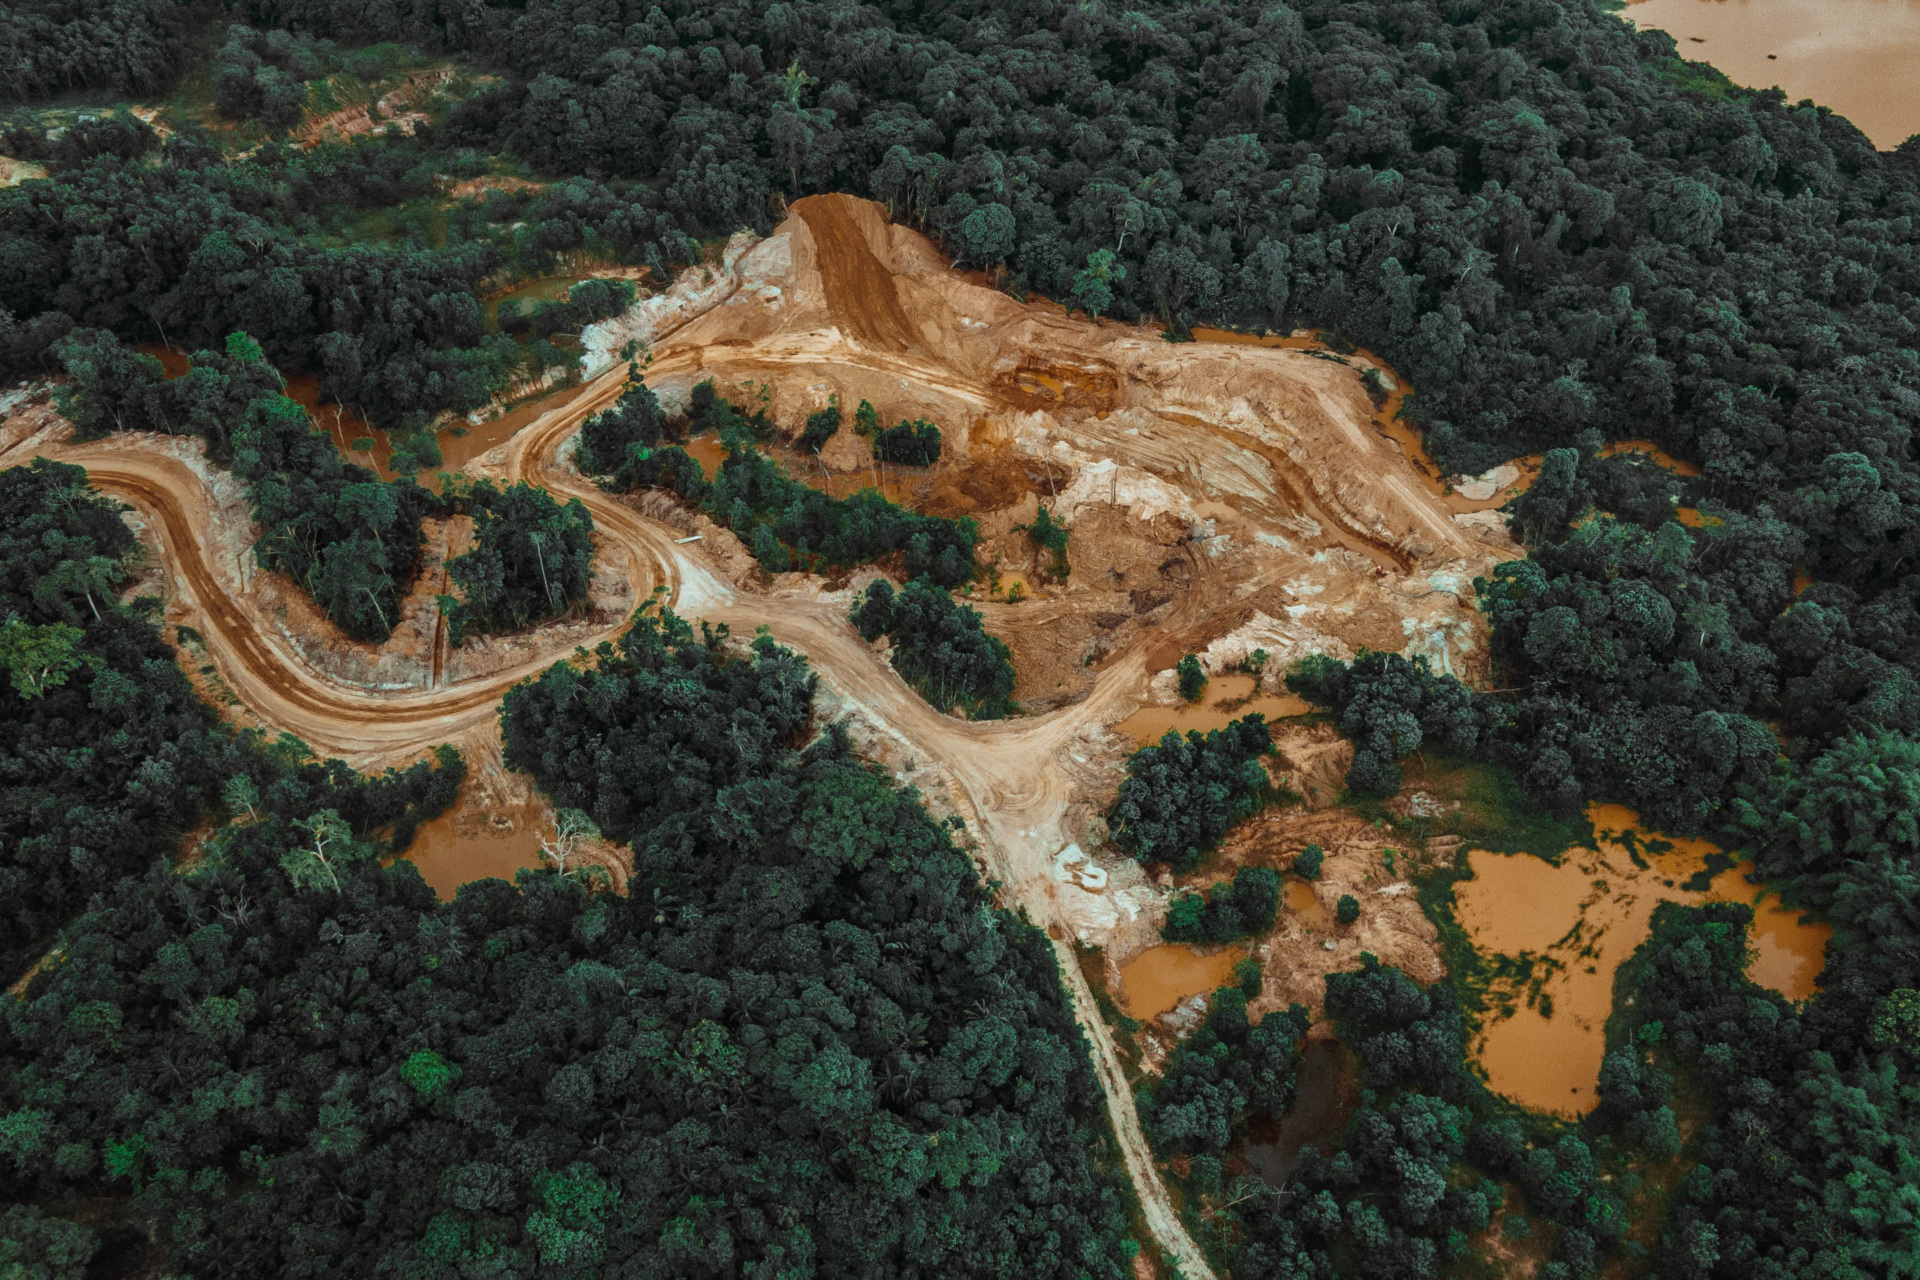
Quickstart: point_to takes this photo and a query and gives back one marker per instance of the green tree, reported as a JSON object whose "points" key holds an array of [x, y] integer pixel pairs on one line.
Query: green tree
{"points": [[1093, 284], [1307, 865], [1347, 910], [40, 658], [1192, 677]]}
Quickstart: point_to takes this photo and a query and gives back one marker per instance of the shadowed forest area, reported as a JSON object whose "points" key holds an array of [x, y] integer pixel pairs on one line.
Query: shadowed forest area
{"points": [[809, 1044]]}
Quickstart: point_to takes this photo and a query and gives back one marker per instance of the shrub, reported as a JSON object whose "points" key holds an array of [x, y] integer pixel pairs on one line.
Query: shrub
{"points": [[1192, 676], [1307, 865]]}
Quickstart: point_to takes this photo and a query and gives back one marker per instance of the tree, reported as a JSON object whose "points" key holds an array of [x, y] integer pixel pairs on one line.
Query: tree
{"points": [[571, 828], [330, 847], [1347, 910], [1307, 864], [1192, 678], [40, 658], [1093, 284], [821, 426]]}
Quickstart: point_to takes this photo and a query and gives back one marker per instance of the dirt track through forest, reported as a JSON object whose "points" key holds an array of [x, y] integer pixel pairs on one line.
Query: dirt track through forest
{"points": [[1307, 456], [1008, 773]]}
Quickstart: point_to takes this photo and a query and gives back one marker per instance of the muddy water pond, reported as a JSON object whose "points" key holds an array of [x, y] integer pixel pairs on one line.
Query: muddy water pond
{"points": [[1302, 901], [1562, 932], [1856, 56], [1157, 979], [1324, 1097], [464, 845], [1228, 698]]}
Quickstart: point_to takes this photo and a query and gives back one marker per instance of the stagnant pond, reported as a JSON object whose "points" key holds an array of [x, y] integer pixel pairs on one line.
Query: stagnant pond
{"points": [[1161, 977], [1566, 929], [466, 844], [1856, 56]]}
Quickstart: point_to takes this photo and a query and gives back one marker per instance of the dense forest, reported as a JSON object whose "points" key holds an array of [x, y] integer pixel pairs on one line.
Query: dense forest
{"points": [[107, 751], [806, 1044], [1560, 232]]}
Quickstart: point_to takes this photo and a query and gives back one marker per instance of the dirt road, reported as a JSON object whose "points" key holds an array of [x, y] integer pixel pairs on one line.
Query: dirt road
{"points": [[1266, 460], [1009, 773]]}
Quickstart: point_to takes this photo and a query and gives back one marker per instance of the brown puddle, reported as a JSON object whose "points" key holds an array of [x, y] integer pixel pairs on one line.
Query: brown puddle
{"points": [[1227, 699], [1577, 922], [1305, 903], [1856, 56], [1161, 977], [467, 844]]}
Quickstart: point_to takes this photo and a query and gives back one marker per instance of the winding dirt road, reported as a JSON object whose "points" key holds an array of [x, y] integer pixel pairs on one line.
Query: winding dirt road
{"points": [[1010, 774]]}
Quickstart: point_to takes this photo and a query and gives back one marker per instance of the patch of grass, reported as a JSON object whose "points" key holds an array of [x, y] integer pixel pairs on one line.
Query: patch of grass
{"points": [[1495, 813], [1093, 967], [1696, 77]]}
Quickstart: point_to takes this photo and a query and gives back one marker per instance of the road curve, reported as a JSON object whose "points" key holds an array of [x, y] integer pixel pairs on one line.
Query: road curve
{"points": [[1009, 773]]}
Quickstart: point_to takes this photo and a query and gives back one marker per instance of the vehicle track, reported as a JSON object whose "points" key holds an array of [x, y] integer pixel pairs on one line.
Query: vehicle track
{"points": [[1008, 773]]}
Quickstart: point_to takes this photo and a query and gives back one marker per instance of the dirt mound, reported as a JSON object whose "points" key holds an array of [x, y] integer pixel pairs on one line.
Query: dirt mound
{"points": [[860, 292]]}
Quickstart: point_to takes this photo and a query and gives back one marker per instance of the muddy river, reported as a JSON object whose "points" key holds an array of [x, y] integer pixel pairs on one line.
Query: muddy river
{"points": [[1856, 56], [1228, 698], [1569, 928]]}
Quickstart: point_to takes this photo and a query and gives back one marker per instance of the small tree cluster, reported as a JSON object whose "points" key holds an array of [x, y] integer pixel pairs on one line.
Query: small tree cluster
{"points": [[1388, 704], [1230, 909], [939, 647], [909, 444], [1182, 794], [532, 560]]}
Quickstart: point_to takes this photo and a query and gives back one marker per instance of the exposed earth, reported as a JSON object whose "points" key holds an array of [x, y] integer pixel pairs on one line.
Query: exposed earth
{"points": [[1222, 498]]}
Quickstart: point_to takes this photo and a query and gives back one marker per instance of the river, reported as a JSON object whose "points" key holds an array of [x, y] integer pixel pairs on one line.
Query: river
{"points": [[1856, 56]]}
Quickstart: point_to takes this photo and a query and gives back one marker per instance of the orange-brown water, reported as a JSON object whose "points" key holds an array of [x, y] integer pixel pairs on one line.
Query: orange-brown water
{"points": [[463, 845], [1856, 56], [1305, 903], [1660, 457], [1159, 978], [1578, 922], [1227, 699]]}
